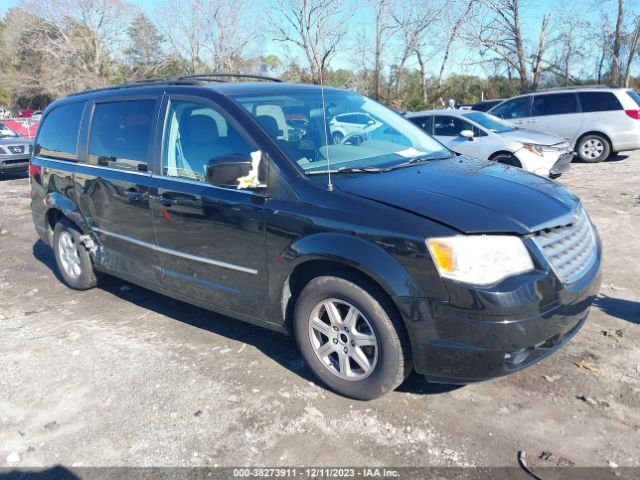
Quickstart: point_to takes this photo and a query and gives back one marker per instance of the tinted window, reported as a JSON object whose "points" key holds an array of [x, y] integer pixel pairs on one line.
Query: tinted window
{"points": [[120, 133], [516, 108], [58, 134], [635, 96], [599, 101], [425, 123], [197, 135], [446, 126], [555, 104]]}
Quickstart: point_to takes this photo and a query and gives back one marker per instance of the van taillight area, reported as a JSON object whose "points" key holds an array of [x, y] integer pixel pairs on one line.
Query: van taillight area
{"points": [[635, 114]]}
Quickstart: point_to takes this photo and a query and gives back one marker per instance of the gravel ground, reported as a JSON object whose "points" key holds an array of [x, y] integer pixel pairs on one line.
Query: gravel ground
{"points": [[120, 376]]}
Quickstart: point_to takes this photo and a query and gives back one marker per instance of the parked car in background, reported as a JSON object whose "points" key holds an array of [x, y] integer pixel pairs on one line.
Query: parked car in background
{"points": [[347, 125], [486, 105], [5, 113], [596, 121], [25, 113], [380, 256], [25, 127], [14, 150], [487, 137], [36, 115]]}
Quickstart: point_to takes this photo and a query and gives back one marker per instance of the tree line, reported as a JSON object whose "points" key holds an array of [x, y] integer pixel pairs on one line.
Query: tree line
{"points": [[406, 53]]}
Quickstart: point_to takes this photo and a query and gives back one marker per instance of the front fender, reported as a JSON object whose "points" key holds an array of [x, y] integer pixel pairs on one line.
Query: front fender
{"points": [[355, 252]]}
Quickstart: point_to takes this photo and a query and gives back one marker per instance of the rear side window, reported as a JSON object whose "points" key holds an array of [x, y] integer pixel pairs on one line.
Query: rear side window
{"points": [[120, 134], [554, 104], [425, 123], [635, 96], [599, 101], [58, 134]]}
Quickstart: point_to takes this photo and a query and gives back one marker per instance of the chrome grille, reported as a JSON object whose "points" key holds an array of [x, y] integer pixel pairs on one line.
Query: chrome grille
{"points": [[16, 148], [570, 249]]}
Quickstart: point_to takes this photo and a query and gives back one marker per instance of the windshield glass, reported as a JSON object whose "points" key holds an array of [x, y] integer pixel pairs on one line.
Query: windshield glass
{"points": [[6, 131], [355, 132], [490, 122]]}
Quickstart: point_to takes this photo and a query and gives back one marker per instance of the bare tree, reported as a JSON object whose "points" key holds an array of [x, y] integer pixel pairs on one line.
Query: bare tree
{"points": [[55, 37], [413, 21], [383, 32], [314, 27], [617, 44], [455, 29], [633, 45]]}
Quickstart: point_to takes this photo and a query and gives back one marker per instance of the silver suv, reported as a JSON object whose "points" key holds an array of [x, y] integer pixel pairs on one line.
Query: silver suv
{"points": [[596, 121]]}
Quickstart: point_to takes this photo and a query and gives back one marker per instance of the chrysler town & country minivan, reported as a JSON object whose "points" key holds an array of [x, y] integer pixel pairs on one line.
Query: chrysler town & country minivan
{"points": [[381, 254]]}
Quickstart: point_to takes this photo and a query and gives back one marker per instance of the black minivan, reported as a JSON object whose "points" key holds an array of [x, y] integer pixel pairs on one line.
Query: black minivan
{"points": [[379, 249]]}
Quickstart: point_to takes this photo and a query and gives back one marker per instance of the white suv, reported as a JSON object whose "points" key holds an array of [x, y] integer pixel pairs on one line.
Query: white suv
{"points": [[596, 121], [350, 124]]}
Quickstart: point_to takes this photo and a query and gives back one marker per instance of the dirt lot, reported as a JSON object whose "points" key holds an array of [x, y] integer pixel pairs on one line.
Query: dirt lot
{"points": [[122, 376]]}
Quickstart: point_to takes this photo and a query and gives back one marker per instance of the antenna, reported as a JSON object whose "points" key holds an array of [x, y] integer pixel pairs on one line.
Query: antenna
{"points": [[326, 134]]}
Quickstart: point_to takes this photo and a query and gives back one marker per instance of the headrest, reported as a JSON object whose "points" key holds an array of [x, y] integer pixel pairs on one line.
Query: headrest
{"points": [[199, 130], [270, 125]]}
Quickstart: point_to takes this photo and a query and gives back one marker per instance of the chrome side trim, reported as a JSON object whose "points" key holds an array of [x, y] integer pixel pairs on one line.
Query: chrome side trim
{"points": [[89, 165], [176, 253]]}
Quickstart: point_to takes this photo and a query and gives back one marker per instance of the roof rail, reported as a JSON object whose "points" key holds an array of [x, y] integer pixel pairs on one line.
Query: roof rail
{"points": [[193, 79], [218, 77], [576, 87]]}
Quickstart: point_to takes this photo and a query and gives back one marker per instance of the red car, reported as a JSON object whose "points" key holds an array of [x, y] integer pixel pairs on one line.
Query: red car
{"points": [[25, 128], [25, 113]]}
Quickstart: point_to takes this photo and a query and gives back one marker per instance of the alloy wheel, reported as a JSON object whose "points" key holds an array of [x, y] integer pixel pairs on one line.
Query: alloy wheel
{"points": [[68, 252], [343, 339]]}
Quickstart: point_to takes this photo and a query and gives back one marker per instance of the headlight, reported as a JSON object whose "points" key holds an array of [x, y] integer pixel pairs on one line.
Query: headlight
{"points": [[537, 149], [479, 259]]}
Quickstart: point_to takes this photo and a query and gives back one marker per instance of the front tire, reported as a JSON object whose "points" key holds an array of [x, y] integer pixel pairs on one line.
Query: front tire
{"points": [[353, 341], [505, 159], [593, 148], [72, 258]]}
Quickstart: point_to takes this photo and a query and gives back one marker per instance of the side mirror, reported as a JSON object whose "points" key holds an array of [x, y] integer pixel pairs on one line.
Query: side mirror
{"points": [[224, 171], [468, 134]]}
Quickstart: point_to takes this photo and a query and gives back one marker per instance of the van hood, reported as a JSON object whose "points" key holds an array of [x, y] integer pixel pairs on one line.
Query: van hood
{"points": [[469, 195], [533, 137]]}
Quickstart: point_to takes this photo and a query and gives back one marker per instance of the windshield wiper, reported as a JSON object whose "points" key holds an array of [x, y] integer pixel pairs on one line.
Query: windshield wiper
{"points": [[347, 170], [413, 161]]}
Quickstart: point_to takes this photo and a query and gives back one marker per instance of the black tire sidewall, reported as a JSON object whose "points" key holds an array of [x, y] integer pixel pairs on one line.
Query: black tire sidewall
{"points": [[605, 153], [390, 369], [87, 278], [508, 160]]}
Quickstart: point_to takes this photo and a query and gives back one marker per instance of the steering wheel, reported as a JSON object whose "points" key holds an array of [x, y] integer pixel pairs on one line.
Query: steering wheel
{"points": [[353, 138]]}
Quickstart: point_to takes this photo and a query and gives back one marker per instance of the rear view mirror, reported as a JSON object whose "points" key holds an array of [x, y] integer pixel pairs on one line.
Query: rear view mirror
{"points": [[224, 171], [468, 134]]}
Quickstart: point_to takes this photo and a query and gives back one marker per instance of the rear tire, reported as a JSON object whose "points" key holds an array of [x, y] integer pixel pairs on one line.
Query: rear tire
{"points": [[593, 148], [353, 341], [72, 258]]}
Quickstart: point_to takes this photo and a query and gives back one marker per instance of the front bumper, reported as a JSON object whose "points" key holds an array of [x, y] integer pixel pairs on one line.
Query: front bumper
{"points": [[481, 334], [552, 163], [14, 163]]}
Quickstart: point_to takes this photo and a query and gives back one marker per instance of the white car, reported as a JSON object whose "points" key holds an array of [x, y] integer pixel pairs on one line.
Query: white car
{"points": [[5, 114], [596, 121], [350, 124], [484, 136]]}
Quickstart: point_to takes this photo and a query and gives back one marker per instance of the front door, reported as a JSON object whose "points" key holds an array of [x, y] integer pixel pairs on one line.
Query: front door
{"points": [[112, 184], [446, 129], [211, 238]]}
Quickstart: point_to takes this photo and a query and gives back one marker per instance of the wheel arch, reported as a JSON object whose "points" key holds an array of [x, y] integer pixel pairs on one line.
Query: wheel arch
{"points": [[324, 253], [501, 152]]}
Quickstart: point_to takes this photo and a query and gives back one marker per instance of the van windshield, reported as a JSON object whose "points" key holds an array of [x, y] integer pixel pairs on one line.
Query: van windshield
{"points": [[6, 132], [495, 124], [354, 132]]}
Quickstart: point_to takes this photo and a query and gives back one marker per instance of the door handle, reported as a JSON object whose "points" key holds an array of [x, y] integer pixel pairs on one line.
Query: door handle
{"points": [[134, 195], [164, 199]]}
